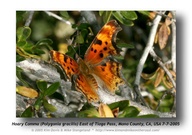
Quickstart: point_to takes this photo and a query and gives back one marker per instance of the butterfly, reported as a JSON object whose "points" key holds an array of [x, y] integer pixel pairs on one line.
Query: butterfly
{"points": [[97, 67]]}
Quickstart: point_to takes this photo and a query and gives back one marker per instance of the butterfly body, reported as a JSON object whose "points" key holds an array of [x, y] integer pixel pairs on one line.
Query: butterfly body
{"points": [[96, 69], [83, 67]]}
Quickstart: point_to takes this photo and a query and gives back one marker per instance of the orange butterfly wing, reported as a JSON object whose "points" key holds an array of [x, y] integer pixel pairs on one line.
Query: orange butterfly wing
{"points": [[84, 83], [68, 64], [103, 44], [88, 85], [109, 73], [95, 63]]}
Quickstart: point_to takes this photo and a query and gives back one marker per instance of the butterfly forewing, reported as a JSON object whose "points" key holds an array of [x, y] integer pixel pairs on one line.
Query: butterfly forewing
{"points": [[68, 64], [95, 64], [103, 44]]}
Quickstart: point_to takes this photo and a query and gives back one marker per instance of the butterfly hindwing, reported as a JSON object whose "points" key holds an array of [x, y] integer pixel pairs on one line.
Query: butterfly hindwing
{"points": [[88, 85], [109, 73]]}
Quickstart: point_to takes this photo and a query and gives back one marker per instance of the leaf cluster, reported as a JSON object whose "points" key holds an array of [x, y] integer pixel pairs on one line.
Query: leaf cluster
{"points": [[42, 99], [120, 109]]}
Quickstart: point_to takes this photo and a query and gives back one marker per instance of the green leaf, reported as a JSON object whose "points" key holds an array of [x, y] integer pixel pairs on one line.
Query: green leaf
{"points": [[71, 51], [28, 47], [101, 13], [84, 33], [92, 112], [130, 111], [148, 116], [87, 106], [167, 102], [156, 93], [107, 16], [130, 15], [147, 13], [48, 106], [20, 16], [120, 18], [38, 103], [21, 43], [24, 53], [65, 14], [28, 113], [19, 70], [79, 39], [52, 88], [38, 51], [125, 45], [119, 57], [83, 26], [19, 76], [19, 58], [121, 105], [23, 33], [42, 86], [45, 42]]}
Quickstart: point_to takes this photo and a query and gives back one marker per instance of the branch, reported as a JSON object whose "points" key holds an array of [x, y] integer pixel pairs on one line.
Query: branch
{"points": [[145, 55], [108, 98], [58, 17], [29, 19], [166, 16], [153, 54], [173, 49], [92, 20], [40, 70]]}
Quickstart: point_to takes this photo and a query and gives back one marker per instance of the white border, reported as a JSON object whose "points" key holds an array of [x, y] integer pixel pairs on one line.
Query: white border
{"points": [[7, 34]]}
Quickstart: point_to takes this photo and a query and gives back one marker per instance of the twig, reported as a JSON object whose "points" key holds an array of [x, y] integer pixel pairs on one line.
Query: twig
{"points": [[139, 96], [163, 97], [174, 104], [173, 49], [145, 54], [39, 70], [153, 54], [166, 16], [92, 20], [29, 19], [58, 17]]}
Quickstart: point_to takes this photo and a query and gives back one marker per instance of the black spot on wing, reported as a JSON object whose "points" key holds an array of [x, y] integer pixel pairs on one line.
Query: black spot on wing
{"points": [[72, 69], [65, 58], [105, 48], [101, 55], [95, 51], [97, 41], [103, 69]]}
